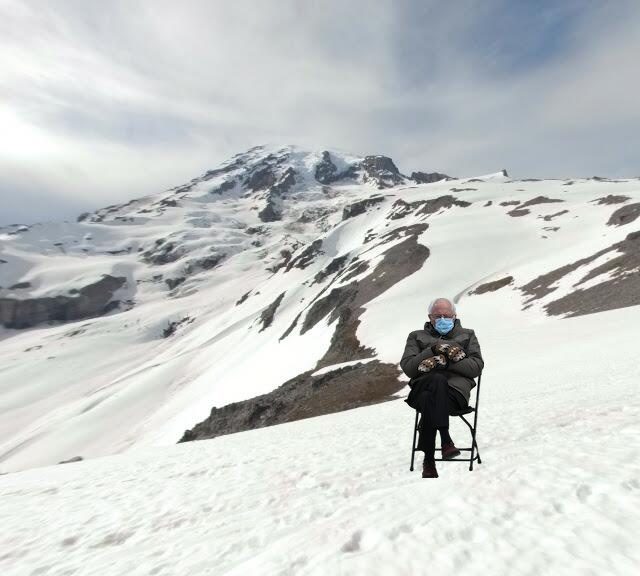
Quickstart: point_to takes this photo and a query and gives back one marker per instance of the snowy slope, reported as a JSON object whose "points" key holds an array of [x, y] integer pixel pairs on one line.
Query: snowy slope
{"points": [[104, 385], [558, 490]]}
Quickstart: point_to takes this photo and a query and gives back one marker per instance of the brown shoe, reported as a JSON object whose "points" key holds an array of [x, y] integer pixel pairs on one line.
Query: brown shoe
{"points": [[449, 451], [429, 469]]}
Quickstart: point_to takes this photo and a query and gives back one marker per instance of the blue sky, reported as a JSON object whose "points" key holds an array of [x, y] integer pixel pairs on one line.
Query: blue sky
{"points": [[104, 101]]}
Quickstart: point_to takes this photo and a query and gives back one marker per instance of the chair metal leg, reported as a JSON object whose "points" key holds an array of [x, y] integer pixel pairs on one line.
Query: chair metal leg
{"points": [[413, 446], [475, 424], [474, 444]]}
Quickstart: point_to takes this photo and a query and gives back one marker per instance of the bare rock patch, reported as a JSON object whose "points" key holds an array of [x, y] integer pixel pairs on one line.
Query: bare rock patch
{"points": [[624, 215], [304, 396], [492, 286]]}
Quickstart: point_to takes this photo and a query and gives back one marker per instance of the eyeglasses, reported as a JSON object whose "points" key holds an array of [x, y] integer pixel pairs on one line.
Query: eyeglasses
{"points": [[441, 316]]}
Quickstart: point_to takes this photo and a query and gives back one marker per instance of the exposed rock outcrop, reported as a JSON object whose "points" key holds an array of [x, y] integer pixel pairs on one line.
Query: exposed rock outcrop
{"points": [[174, 282], [611, 199], [261, 179], [620, 286], [518, 212], [624, 215], [428, 177], [266, 318], [304, 396], [540, 200], [272, 212], [173, 326], [523, 209], [401, 208], [204, 263], [326, 171], [550, 217], [381, 170], [243, 298], [492, 286], [305, 257], [71, 460], [226, 185], [360, 207], [163, 252], [334, 266], [87, 302]]}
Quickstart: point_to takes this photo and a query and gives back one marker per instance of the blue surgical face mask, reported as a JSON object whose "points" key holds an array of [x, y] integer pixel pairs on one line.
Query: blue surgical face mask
{"points": [[444, 325]]}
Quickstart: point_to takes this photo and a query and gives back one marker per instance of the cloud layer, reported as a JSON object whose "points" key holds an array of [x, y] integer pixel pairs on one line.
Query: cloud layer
{"points": [[104, 101]]}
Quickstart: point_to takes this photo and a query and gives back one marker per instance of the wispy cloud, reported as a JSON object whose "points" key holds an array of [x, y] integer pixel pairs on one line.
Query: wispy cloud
{"points": [[103, 101]]}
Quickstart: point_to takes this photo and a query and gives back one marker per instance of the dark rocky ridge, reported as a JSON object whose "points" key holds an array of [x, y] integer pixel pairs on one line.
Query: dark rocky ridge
{"points": [[275, 196], [523, 209], [266, 318], [360, 206], [622, 290], [326, 171], [334, 266], [162, 252], [611, 199], [401, 208], [89, 301], [382, 171], [540, 200], [304, 396], [429, 177], [306, 257], [624, 215], [224, 187], [492, 286], [550, 217], [173, 326]]}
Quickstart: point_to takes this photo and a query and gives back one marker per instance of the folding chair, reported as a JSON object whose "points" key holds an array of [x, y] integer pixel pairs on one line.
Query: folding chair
{"points": [[461, 413]]}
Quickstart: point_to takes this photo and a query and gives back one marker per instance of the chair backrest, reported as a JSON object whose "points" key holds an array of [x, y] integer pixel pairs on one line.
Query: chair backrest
{"points": [[478, 390]]}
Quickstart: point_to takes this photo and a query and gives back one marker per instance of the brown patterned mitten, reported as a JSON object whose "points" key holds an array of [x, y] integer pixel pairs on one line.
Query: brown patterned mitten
{"points": [[455, 353], [440, 348], [432, 362]]}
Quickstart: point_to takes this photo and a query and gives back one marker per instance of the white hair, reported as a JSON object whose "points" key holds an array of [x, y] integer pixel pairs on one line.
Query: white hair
{"points": [[433, 302]]}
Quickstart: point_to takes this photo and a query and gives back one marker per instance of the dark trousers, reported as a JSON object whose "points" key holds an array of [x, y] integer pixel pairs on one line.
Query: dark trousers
{"points": [[435, 400]]}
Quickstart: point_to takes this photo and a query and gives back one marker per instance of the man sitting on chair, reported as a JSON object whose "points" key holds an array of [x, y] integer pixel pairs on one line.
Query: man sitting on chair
{"points": [[442, 360]]}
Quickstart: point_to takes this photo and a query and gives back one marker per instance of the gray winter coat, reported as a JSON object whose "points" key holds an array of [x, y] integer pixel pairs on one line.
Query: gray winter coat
{"points": [[460, 374]]}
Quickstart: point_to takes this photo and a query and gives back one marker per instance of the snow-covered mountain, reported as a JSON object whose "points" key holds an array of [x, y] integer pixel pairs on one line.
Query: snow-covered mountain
{"points": [[279, 286]]}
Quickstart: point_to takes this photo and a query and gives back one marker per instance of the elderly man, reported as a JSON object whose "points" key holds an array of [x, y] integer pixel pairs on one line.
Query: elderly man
{"points": [[442, 360]]}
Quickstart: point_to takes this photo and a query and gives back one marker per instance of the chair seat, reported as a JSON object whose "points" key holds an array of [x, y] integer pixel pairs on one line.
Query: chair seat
{"points": [[462, 412], [466, 410]]}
